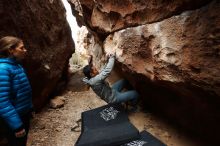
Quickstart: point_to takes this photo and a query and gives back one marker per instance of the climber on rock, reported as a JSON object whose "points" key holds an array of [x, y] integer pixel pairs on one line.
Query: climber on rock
{"points": [[114, 94]]}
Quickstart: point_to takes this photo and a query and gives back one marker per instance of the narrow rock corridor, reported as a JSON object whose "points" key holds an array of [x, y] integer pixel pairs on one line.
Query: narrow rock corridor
{"points": [[168, 50]]}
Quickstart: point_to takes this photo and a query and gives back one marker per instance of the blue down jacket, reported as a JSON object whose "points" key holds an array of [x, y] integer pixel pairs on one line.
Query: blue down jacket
{"points": [[15, 93]]}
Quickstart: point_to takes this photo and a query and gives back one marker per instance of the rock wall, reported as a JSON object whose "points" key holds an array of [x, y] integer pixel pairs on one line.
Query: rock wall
{"points": [[105, 16], [43, 27], [180, 49], [179, 57], [169, 50]]}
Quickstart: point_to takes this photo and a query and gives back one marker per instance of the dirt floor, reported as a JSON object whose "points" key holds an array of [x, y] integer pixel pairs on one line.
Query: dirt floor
{"points": [[61, 127]]}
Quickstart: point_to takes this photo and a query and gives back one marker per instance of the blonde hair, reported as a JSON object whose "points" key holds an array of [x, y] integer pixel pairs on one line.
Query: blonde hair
{"points": [[6, 43]]}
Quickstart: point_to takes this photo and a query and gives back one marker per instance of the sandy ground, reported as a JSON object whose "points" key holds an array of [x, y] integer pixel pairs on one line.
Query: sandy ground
{"points": [[61, 127]]}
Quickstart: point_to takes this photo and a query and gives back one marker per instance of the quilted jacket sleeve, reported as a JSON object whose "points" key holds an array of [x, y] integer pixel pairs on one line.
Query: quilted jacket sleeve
{"points": [[7, 110]]}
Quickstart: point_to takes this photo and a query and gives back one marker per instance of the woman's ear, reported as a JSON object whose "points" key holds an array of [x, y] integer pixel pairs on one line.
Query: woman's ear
{"points": [[10, 51]]}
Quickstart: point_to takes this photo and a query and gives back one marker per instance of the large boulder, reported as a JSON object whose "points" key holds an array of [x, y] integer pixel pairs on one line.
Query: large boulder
{"points": [[170, 54], [46, 34], [180, 49], [105, 16], [175, 66]]}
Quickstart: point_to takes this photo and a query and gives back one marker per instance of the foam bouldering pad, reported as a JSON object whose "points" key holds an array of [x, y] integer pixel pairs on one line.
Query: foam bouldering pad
{"points": [[106, 126], [146, 139]]}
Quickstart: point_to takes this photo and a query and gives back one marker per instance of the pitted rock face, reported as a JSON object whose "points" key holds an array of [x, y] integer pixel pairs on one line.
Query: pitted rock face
{"points": [[174, 64], [111, 15], [180, 49]]}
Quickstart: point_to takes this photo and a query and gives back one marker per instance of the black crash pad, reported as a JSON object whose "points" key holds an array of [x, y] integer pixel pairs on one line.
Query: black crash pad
{"points": [[146, 140], [106, 126]]}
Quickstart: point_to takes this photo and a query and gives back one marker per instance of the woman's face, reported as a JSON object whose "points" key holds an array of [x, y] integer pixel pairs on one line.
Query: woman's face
{"points": [[19, 52]]}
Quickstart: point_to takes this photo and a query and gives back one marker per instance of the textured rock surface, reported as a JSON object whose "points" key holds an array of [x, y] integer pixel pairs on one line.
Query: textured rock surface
{"points": [[181, 49], [172, 59], [43, 27], [110, 15], [180, 58], [57, 102]]}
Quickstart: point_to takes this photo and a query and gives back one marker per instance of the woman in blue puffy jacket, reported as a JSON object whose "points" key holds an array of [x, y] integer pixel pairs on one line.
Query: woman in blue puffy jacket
{"points": [[15, 92]]}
